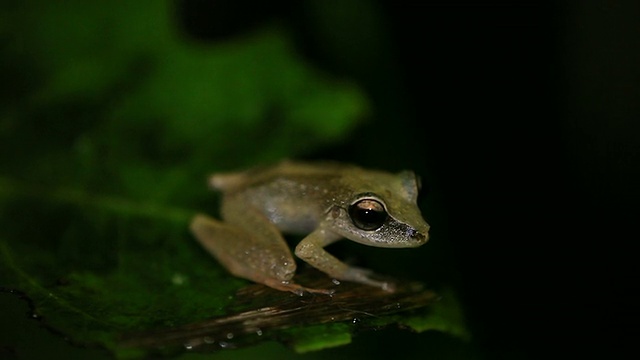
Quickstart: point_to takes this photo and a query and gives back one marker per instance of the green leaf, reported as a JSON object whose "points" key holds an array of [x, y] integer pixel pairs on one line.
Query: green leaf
{"points": [[112, 120], [126, 276], [320, 337]]}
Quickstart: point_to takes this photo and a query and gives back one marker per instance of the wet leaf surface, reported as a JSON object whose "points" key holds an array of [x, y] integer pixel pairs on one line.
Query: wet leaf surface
{"points": [[126, 276], [308, 322]]}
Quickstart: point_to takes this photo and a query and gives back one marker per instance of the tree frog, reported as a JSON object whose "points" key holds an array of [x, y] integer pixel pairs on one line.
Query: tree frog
{"points": [[325, 201]]}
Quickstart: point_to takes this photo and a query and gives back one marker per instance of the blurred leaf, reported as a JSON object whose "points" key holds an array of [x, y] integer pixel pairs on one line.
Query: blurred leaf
{"points": [[114, 97]]}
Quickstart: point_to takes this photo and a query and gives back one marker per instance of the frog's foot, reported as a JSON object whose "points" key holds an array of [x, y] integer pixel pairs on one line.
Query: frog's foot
{"points": [[295, 288], [365, 276]]}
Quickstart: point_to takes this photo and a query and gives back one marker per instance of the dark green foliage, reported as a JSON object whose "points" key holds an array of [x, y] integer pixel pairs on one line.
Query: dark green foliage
{"points": [[108, 127]]}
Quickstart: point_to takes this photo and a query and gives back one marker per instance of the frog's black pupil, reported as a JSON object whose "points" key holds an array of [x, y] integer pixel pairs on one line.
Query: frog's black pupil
{"points": [[367, 214]]}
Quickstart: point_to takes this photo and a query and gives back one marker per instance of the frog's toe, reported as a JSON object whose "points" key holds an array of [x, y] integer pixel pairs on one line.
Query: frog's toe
{"points": [[367, 277], [296, 288], [388, 286], [358, 275], [321, 291]]}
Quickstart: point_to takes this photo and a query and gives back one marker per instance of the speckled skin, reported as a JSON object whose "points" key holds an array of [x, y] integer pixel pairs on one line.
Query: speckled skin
{"points": [[260, 204]]}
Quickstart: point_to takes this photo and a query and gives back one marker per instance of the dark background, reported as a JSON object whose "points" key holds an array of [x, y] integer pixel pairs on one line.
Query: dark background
{"points": [[523, 119]]}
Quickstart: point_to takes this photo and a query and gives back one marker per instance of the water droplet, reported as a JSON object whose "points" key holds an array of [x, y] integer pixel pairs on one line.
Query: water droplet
{"points": [[35, 316], [188, 346], [224, 344], [230, 336], [335, 281], [208, 340], [259, 332]]}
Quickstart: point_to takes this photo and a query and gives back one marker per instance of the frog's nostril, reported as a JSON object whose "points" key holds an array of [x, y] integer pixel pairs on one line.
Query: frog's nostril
{"points": [[418, 236], [413, 233]]}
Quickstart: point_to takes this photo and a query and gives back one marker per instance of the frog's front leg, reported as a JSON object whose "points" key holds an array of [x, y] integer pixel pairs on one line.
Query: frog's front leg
{"points": [[311, 250], [253, 250]]}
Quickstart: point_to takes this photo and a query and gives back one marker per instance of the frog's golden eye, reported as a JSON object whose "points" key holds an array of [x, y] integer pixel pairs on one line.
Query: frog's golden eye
{"points": [[368, 214]]}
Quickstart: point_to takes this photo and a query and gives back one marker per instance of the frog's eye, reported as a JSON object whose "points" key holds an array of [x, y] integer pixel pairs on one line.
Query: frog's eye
{"points": [[367, 214]]}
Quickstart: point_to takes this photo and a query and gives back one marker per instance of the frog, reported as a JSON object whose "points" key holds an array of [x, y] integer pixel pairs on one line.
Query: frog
{"points": [[323, 202]]}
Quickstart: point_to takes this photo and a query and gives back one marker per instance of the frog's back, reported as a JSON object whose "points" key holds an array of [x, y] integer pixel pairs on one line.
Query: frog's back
{"points": [[288, 171], [295, 196]]}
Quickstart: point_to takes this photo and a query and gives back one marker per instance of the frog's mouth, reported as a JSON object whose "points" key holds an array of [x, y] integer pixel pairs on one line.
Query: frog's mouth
{"points": [[396, 235]]}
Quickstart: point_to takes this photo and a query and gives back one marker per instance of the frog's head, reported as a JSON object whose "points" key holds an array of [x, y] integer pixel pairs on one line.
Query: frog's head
{"points": [[383, 213]]}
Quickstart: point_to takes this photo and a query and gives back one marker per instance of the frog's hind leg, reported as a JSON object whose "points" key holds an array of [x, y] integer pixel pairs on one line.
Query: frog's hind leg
{"points": [[259, 253]]}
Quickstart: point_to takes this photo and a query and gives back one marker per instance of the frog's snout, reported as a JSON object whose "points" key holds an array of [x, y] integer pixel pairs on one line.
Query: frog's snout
{"points": [[418, 237]]}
